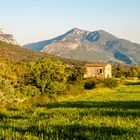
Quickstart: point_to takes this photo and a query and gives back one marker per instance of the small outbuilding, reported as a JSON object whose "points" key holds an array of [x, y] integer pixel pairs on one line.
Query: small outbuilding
{"points": [[98, 70]]}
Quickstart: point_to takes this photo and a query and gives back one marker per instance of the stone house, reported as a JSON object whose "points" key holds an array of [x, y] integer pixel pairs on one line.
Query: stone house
{"points": [[98, 70]]}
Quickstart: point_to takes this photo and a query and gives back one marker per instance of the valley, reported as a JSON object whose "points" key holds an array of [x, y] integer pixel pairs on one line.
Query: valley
{"points": [[69, 70]]}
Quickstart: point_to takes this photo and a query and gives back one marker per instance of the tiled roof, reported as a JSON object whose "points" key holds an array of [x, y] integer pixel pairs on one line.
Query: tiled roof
{"points": [[95, 65]]}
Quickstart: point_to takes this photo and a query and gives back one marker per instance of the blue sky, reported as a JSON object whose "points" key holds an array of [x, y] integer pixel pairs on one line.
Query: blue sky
{"points": [[34, 20]]}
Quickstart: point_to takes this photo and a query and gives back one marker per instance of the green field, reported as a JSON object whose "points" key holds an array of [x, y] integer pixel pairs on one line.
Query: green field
{"points": [[100, 113]]}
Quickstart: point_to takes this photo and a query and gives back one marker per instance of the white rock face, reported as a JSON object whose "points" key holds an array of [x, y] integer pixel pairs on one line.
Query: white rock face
{"points": [[1, 31], [8, 38]]}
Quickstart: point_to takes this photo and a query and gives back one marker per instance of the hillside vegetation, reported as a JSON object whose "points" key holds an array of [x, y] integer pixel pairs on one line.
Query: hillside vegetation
{"points": [[14, 53]]}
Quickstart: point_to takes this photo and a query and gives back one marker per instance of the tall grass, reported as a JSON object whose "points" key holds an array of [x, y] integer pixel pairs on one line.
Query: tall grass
{"points": [[101, 113]]}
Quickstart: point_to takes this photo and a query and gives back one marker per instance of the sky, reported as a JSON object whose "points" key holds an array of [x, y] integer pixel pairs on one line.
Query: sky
{"points": [[36, 20]]}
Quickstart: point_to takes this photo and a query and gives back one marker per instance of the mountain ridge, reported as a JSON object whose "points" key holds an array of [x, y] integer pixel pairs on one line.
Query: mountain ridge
{"points": [[96, 46]]}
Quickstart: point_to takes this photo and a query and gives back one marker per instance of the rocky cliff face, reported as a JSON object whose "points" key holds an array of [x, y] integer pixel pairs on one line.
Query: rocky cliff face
{"points": [[8, 38]]}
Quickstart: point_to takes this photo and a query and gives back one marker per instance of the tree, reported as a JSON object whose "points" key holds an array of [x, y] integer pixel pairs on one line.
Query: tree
{"points": [[48, 76], [77, 73], [133, 72]]}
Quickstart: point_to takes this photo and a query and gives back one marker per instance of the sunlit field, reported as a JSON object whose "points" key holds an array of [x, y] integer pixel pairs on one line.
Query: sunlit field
{"points": [[101, 113]]}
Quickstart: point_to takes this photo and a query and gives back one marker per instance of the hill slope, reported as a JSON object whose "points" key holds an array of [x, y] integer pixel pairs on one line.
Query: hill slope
{"points": [[15, 53], [97, 46]]}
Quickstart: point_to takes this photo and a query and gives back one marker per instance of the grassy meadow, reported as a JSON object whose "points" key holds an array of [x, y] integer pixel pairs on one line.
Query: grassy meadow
{"points": [[101, 113]]}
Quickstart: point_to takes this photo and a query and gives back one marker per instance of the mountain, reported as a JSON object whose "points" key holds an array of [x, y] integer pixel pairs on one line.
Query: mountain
{"points": [[96, 46], [40, 45], [8, 38]]}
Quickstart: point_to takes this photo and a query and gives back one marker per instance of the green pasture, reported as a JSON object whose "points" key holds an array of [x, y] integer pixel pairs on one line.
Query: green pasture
{"points": [[98, 114]]}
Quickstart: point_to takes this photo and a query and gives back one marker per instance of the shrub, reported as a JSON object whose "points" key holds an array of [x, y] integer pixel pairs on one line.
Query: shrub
{"points": [[7, 92], [90, 84], [75, 88], [76, 73], [29, 91], [111, 83]]}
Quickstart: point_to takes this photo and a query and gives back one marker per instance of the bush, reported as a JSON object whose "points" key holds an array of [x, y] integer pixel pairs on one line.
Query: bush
{"points": [[7, 92], [29, 91], [75, 88], [111, 83], [90, 84]]}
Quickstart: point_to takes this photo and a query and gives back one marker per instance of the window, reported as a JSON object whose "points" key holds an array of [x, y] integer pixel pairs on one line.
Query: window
{"points": [[101, 71]]}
